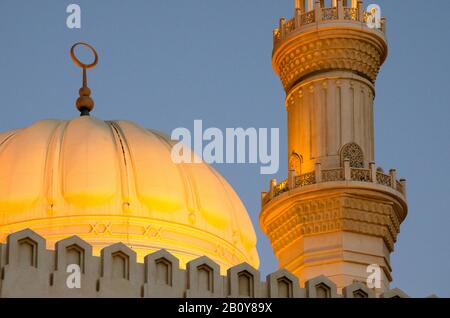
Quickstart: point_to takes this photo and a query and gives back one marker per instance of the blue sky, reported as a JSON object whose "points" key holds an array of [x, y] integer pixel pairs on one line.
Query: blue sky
{"points": [[165, 63]]}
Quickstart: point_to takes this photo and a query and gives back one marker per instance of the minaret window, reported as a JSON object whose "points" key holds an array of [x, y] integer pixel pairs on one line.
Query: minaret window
{"points": [[295, 163], [354, 153]]}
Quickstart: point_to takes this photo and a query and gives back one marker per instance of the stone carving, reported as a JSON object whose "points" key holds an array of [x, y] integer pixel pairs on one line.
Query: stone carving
{"points": [[354, 153], [383, 179], [351, 14], [329, 14], [281, 188], [305, 179], [308, 18], [355, 55], [329, 215], [362, 175], [333, 175], [152, 231], [295, 163]]}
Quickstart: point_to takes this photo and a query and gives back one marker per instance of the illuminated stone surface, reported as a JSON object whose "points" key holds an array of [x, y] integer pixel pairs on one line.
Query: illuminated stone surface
{"points": [[27, 266], [336, 214], [110, 182]]}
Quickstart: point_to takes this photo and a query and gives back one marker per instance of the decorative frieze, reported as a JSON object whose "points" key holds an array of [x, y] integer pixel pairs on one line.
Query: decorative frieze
{"points": [[341, 213], [358, 56]]}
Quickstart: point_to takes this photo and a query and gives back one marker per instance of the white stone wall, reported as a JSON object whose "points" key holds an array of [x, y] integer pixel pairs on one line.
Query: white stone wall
{"points": [[327, 112], [28, 269]]}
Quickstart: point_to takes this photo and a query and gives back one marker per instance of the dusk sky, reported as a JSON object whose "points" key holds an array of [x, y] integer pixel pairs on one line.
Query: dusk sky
{"points": [[165, 63]]}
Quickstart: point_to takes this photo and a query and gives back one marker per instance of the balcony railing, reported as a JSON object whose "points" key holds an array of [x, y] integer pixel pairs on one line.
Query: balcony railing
{"points": [[351, 14], [345, 173], [322, 15], [329, 14]]}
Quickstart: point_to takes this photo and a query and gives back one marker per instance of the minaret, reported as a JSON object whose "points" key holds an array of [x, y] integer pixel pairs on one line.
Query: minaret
{"points": [[337, 213]]}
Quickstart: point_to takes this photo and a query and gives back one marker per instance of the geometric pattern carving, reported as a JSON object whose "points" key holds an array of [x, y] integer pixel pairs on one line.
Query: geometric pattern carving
{"points": [[332, 175], [354, 153], [351, 14], [384, 179], [362, 175], [329, 14], [341, 213], [355, 55], [305, 179]]}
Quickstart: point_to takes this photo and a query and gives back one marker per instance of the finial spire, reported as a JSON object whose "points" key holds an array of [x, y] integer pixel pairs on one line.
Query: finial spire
{"points": [[85, 103]]}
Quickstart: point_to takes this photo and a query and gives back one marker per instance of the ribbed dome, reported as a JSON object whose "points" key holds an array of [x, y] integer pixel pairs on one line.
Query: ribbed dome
{"points": [[110, 182]]}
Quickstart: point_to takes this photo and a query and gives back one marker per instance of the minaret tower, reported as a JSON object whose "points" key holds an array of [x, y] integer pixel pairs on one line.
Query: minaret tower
{"points": [[337, 213]]}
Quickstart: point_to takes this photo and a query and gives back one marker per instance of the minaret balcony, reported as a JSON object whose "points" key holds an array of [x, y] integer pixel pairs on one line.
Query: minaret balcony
{"points": [[339, 177], [323, 17]]}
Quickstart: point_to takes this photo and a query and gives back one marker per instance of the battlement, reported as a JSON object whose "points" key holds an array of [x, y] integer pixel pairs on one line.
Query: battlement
{"points": [[28, 269]]}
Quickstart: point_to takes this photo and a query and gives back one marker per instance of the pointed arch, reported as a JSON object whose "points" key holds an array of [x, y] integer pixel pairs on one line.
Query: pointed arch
{"points": [[295, 163]]}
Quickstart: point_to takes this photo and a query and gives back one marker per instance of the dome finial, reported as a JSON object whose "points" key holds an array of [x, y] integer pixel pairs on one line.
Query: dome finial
{"points": [[85, 103]]}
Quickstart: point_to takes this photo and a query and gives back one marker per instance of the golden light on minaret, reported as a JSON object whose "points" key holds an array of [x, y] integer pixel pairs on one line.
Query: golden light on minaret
{"points": [[337, 213], [114, 181]]}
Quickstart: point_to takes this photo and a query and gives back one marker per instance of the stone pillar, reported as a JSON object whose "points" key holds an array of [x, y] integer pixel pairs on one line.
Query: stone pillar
{"points": [[291, 179], [318, 173], [327, 112]]}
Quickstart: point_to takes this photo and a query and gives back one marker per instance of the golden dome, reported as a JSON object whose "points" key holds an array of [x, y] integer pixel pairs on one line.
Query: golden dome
{"points": [[110, 182]]}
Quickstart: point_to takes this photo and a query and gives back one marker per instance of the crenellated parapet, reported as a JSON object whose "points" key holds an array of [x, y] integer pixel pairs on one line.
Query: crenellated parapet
{"points": [[28, 269]]}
